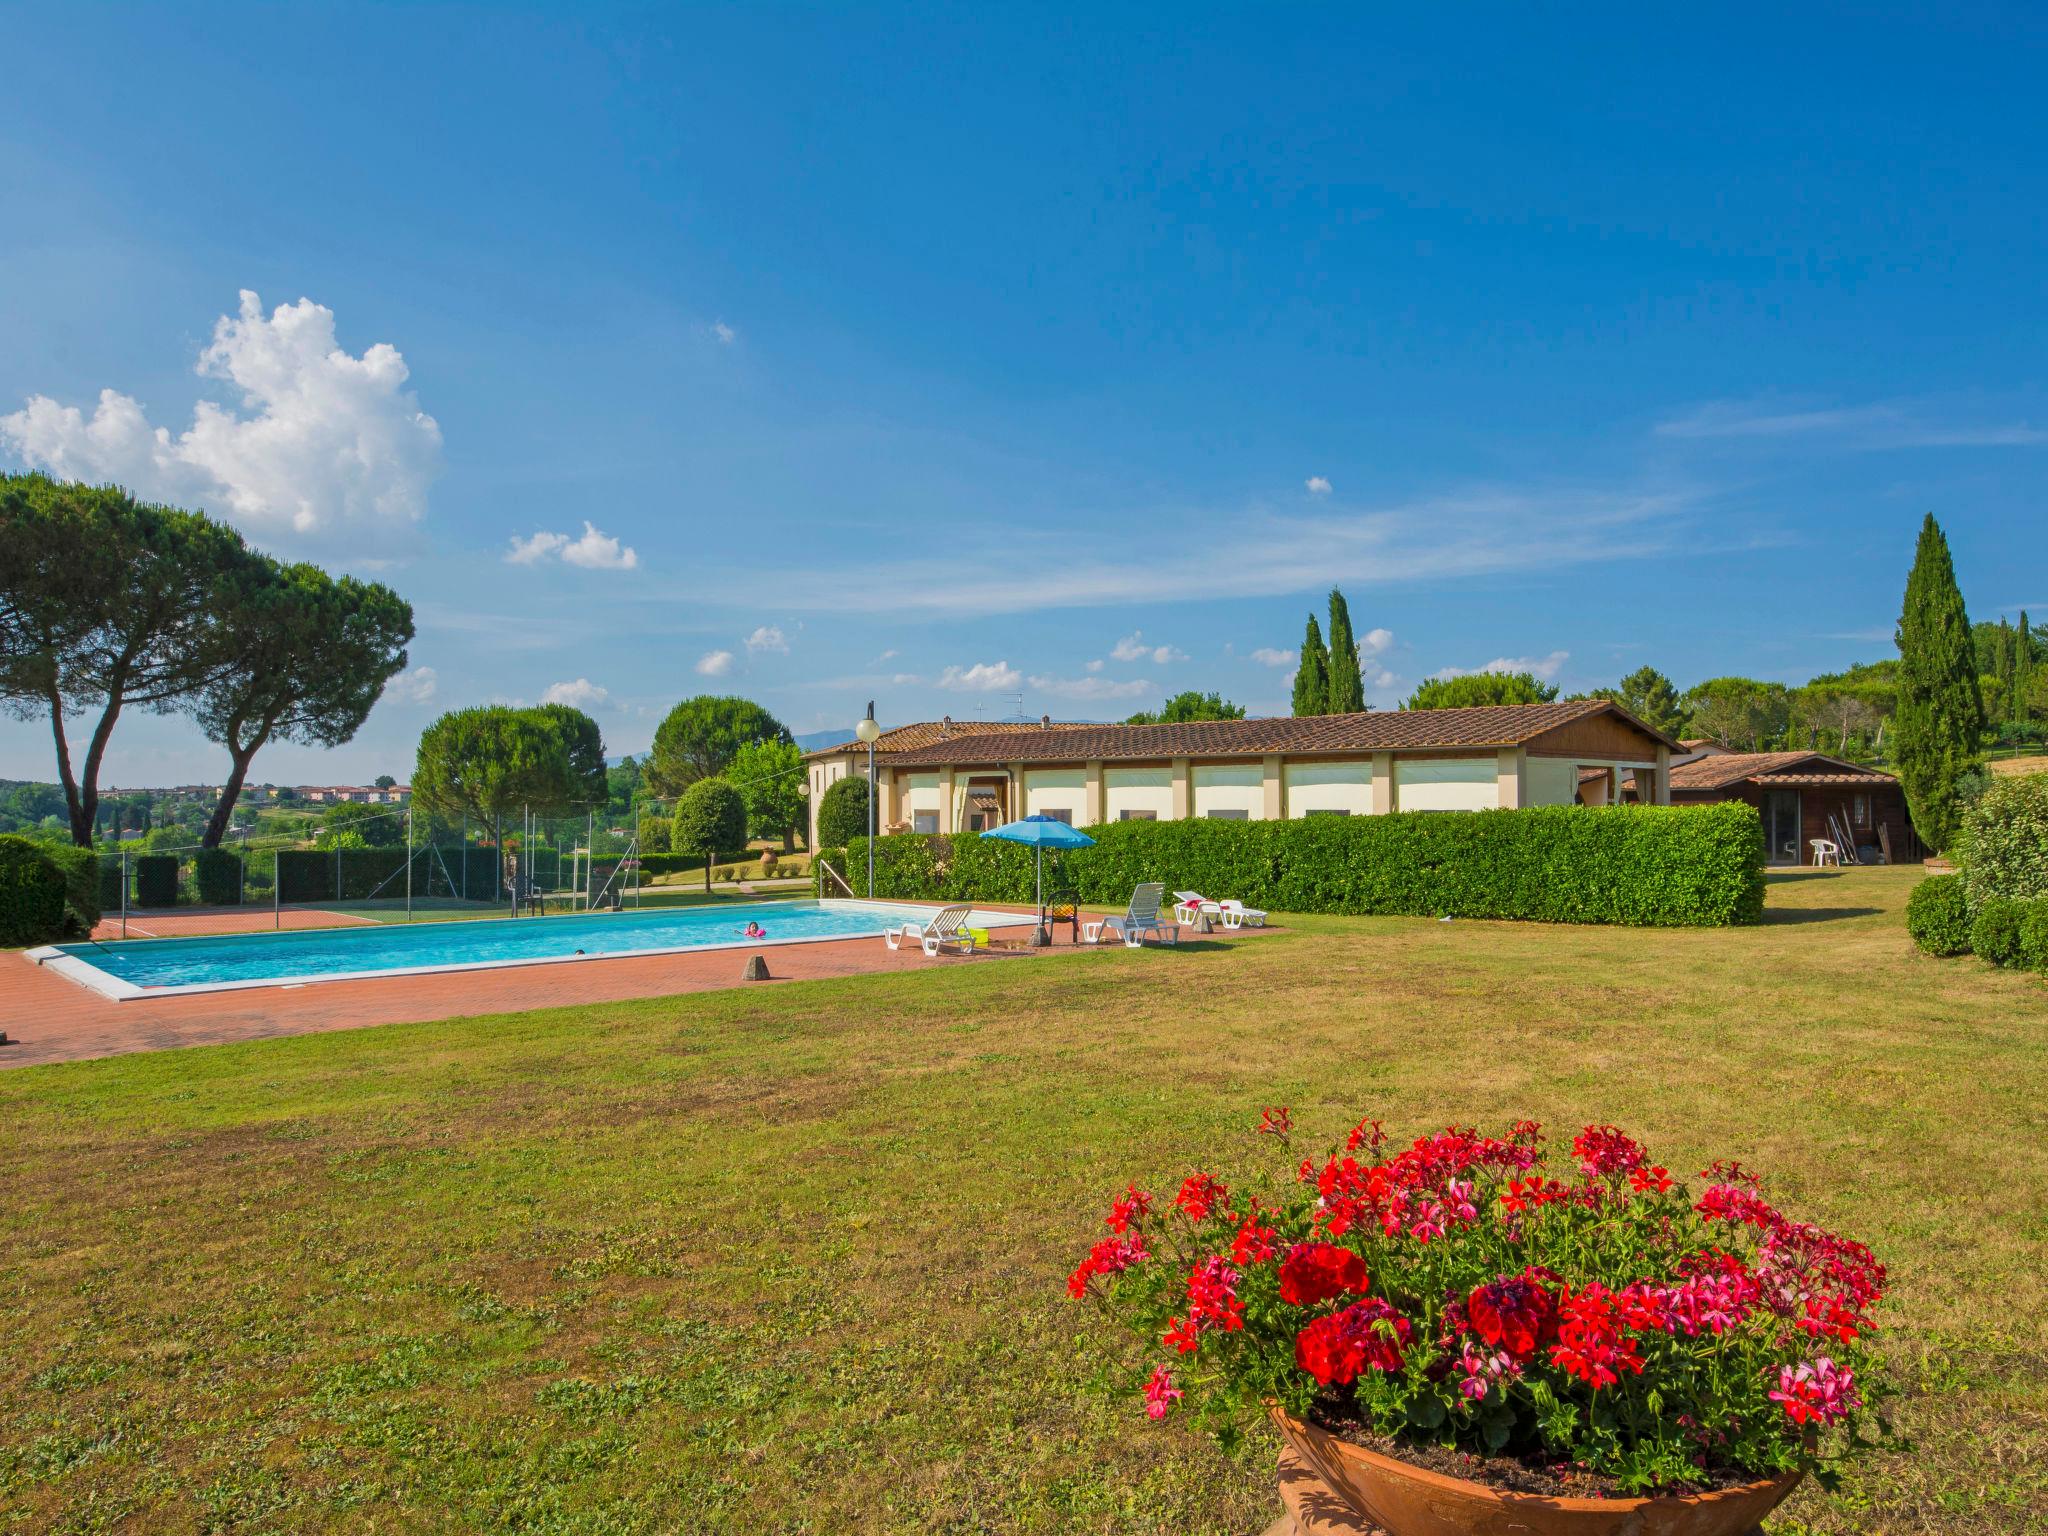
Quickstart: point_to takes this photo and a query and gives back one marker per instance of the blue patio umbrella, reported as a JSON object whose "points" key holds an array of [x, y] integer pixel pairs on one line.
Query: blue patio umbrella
{"points": [[1041, 832]]}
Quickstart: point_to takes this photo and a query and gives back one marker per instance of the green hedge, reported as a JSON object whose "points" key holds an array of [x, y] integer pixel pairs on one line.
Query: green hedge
{"points": [[111, 871], [83, 883], [217, 875], [2034, 936], [1938, 916], [32, 894], [1663, 866], [156, 880], [357, 874]]}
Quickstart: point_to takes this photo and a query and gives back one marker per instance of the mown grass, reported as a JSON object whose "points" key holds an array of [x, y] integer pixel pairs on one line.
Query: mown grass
{"points": [[791, 1259]]}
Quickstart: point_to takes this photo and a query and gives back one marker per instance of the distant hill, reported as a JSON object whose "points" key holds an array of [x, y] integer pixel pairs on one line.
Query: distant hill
{"points": [[811, 741]]}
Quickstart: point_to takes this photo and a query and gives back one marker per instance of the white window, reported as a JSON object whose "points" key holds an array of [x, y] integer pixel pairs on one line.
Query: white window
{"points": [[925, 821], [1230, 815]]}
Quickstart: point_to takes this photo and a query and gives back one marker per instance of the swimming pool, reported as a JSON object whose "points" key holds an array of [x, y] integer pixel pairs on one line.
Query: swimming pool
{"points": [[166, 967]]}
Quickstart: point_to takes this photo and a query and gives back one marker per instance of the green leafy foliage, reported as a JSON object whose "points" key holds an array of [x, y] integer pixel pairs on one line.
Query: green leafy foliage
{"points": [[770, 778], [217, 876], [2002, 847], [1347, 678], [32, 894], [1665, 866], [492, 762], [1480, 688], [156, 880], [1312, 673], [1938, 915], [1740, 712], [584, 743], [1191, 705], [1940, 715], [2033, 949], [356, 874], [843, 812], [86, 883], [379, 826], [1995, 930], [698, 738], [710, 819]]}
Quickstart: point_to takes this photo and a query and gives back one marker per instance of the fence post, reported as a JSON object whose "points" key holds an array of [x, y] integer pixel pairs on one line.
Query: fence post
{"points": [[124, 890], [277, 889], [408, 864]]}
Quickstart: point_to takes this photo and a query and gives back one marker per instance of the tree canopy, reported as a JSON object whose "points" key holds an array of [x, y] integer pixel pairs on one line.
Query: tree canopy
{"points": [[303, 657], [770, 777], [107, 603], [585, 744], [1480, 688], [491, 762], [1742, 712], [700, 736], [843, 812], [1312, 674], [1649, 695], [1347, 680], [711, 818], [1940, 714], [379, 826], [1191, 705]]}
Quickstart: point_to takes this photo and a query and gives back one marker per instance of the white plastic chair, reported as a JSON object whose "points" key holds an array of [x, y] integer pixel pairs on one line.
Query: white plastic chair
{"points": [[1826, 852]]}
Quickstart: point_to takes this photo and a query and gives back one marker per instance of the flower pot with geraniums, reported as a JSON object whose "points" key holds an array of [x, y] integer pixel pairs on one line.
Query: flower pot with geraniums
{"points": [[1475, 1335]]}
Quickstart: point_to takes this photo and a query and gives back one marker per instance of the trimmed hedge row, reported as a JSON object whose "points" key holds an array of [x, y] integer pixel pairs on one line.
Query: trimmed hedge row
{"points": [[217, 876], [1644, 866], [2001, 930], [83, 871], [156, 880], [356, 874], [32, 894]]}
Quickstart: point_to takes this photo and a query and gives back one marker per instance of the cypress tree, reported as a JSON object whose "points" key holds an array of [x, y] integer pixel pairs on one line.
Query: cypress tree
{"points": [[1312, 676], [2022, 671], [1347, 682], [1940, 713]]}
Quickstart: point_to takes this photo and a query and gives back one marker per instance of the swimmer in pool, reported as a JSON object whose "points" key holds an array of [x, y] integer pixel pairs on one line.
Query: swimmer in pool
{"points": [[754, 931]]}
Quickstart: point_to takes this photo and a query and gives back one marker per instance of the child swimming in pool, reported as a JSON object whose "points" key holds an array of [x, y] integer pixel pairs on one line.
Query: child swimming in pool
{"points": [[754, 931]]}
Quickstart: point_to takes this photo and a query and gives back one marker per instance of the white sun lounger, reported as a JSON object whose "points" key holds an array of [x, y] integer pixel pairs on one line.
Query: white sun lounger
{"points": [[949, 927], [1237, 915], [1140, 918]]}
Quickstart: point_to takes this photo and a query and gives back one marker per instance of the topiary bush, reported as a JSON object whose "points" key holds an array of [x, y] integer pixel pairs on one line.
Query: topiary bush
{"points": [[217, 874], [1995, 930], [1938, 916], [843, 812], [32, 894], [156, 880], [1663, 866], [2003, 847], [2034, 935], [84, 882]]}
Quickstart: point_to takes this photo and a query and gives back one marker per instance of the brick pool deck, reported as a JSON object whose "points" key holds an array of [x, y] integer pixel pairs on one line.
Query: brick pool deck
{"points": [[48, 1018]]}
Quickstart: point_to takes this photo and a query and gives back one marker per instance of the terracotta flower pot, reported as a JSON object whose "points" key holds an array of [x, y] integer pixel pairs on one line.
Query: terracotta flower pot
{"points": [[1334, 1488]]}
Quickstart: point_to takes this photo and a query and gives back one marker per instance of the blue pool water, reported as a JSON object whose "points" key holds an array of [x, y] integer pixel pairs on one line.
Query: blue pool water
{"points": [[328, 953]]}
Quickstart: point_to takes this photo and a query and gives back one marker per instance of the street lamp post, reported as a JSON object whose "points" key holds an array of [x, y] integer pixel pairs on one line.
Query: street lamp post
{"points": [[868, 731]]}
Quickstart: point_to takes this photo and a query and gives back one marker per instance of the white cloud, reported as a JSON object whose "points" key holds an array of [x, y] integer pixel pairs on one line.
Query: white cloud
{"points": [[1133, 648], [726, 334], [1255, 553], [1374, 641], [1273, 656], [1889, 424], [1316, 485], [414, 686], [982, 677], [581, 694], [714, 664], [331, 442], [888, 655], [1545, 668], [769, 638], [1093, 666], [1093, 687], [594, 551]]}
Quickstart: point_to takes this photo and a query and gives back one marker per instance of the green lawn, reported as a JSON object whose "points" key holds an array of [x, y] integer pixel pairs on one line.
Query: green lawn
{"points": [[790, 1259]]}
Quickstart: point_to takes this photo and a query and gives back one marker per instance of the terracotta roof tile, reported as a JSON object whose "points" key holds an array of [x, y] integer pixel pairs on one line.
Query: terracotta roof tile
{"points": [[1503, 725], [923, 732], [1726, 768]]}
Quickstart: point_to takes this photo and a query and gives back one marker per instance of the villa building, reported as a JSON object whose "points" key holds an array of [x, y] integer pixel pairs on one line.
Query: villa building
{"points": [[943, 776]]}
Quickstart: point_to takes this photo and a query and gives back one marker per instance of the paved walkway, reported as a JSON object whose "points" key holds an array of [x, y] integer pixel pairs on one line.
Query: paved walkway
{"points": [[51, 1019]]}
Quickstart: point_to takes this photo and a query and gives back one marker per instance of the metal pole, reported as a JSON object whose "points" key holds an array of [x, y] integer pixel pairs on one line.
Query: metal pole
{"points": [[124, 889], [871, 821], [638, 856], [589, 849], [242, 873], [408, 866], [465, 855], [277, 889]]}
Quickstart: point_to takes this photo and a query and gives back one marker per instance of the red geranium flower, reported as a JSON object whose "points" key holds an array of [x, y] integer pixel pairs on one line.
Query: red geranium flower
{"points": [[1199, 1195], [1127, 1208], [1591, 1343], [1366, 1334], [1514, 1313], [1316, 1272]]}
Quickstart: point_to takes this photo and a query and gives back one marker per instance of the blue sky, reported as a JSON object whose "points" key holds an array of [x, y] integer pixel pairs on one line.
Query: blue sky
{"points": [[939, 357]]}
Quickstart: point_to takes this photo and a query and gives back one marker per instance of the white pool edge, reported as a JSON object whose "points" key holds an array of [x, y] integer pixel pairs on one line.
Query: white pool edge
{"points": [[73, 968]]}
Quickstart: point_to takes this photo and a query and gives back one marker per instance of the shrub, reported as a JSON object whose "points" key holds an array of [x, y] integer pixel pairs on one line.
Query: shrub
{"points": [[217, 875], [1938, 916], [113, 869], [654, 834], [2034, 935], [1480, 1292], [84, 882], [1995, 930], [1666, 866], [2003, 847], [156, 880], [843, 812], [32, 894]]}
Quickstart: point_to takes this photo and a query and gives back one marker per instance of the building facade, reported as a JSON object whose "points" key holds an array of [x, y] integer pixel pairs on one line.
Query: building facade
{"points": [[939, 776], [1805, 798]]}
